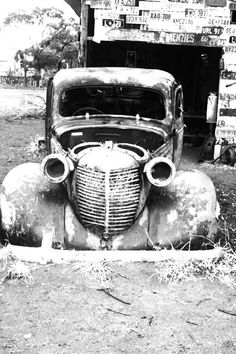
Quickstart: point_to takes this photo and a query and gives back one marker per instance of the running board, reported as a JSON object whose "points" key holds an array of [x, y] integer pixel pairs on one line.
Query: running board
{"points": [[48, 255]]}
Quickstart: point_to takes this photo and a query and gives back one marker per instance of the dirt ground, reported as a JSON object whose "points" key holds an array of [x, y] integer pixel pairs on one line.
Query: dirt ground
{"points": [[64, 308]]}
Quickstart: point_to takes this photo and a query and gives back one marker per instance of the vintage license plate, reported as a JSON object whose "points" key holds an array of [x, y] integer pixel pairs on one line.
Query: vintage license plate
{"points": [[113, 23], [202, 13], [124, 10], [125, 2], [136, 19]]}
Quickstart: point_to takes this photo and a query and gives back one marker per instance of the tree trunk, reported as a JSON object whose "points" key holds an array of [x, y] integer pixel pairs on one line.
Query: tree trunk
{"points": [[25, 76]]}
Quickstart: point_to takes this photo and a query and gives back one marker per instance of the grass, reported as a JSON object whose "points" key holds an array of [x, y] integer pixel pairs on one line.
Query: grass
{"points": [[98, 273], [13, 269], [36, 147], [171, 271], [175, 271], [32, 106]]}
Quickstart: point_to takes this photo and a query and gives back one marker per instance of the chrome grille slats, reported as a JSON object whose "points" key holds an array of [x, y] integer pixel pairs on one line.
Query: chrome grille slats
{"points": [[107, 209]]}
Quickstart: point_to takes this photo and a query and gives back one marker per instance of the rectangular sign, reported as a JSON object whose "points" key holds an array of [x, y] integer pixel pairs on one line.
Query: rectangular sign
{"points": [[214, 31], [124, 10], [232, 6], [228, 112], [191, 38], [136, 19], [226, 122], [227, 96], [230, 30], [183, 21], [134, 35], [149, 5], [172, 37], [230, 49], [160, 16], [125, 2], [225, 136], [113, 23], [218, 21], [102, 14], [232, 39], [180, 1], [101, 4], [198, 2], [229, 75], [216, 3], [202, 13]]}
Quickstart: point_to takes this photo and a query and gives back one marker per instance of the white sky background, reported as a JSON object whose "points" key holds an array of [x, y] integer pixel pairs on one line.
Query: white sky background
{"points": [[7, 6], [13, 39]]}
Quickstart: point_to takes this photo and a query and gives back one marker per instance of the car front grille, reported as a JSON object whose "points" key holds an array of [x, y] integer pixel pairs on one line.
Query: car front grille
{"points": [[107, 201]]}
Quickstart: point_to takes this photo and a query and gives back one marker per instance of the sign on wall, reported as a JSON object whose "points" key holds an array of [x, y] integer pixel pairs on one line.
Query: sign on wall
{"points": [[207, 21], [226, 123]]}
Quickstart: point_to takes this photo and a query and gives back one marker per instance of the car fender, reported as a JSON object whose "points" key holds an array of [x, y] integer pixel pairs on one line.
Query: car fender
{"points": [[32, 209], [184, 212]]}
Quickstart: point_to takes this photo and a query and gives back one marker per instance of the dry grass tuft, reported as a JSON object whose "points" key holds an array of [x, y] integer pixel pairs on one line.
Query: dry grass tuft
{"points": [[98, 273], [36, 147], [32, 107], [13, 269], [222, 270]]}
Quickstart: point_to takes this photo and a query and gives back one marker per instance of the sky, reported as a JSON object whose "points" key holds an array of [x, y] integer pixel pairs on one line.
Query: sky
{"points": [[12, 39], [7, 6]]}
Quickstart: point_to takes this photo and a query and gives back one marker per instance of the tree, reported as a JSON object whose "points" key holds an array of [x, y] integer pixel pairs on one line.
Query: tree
{"points": [[70, 54], [58, 39], [38, 16], [64, 39], [24, 60]]}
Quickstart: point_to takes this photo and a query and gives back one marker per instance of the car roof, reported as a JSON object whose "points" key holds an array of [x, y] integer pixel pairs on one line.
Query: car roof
{"points": [[149, 78]]}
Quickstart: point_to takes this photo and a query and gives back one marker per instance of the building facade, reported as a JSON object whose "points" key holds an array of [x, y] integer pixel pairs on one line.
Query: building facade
{"points": [[195, 40]]}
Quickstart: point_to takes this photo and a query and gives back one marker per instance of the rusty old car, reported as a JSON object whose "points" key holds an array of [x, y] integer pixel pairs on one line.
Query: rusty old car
{"points": [[110, 179]]}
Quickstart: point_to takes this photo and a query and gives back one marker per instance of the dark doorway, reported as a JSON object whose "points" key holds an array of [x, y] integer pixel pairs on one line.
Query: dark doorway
{"points": [[195, 67]]}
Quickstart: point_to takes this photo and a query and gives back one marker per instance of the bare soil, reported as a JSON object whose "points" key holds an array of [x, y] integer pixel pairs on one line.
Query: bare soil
{"points": [[65, 308]]}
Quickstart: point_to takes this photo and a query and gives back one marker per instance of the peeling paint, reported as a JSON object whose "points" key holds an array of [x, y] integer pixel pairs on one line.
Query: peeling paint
{"points": [[69, 224], [144, 217], [117, 243], [8, 212], [48, 231], [93, 242]]}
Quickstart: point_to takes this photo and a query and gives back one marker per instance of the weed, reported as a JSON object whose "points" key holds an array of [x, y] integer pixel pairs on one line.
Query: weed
{"points": [[13, 269], [177, 271], [97, 272], [36, 148]]}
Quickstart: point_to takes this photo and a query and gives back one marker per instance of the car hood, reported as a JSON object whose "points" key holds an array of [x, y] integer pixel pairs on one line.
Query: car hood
{"points": [[122, 122]]}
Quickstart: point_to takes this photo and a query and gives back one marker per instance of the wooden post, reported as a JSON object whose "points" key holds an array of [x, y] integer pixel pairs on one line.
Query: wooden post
{"points": [[82, 58]]}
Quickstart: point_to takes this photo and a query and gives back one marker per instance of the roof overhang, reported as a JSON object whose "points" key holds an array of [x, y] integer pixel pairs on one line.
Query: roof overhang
{"points": [[75, 5]]}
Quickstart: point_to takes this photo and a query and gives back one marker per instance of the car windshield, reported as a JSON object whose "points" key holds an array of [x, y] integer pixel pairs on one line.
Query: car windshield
{"points": [[118, 100]]}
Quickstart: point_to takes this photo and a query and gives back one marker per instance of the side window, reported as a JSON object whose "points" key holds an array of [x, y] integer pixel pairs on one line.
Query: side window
{"points": [[178, 103]]}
